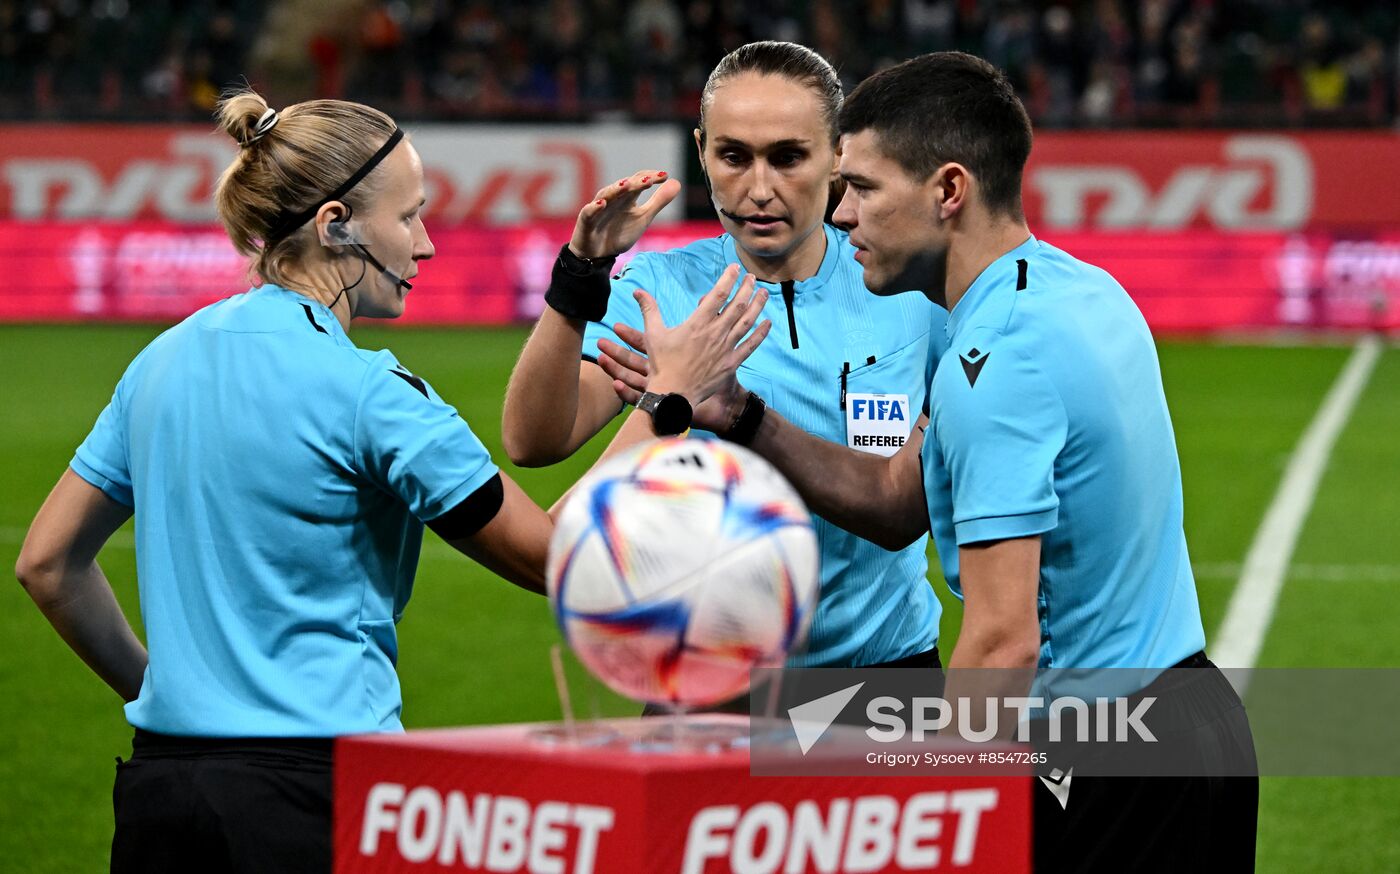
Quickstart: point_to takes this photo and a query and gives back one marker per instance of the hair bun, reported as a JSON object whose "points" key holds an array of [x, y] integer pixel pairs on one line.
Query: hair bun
{"points": [[241, 114], [266, 122], [316, 150]]}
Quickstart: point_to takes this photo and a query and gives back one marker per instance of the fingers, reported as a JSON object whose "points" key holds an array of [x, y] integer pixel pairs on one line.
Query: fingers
{"points": [[620, 195], [742, 303], [644, 179], [627, 190], [631, 336], [751, 342], [608, 195], [664, 195], [592, 208], [743, 313], [624, 357], [611, 222], [612, 367], [651, 314], [628, 396], [714, 299], [628, 384]]}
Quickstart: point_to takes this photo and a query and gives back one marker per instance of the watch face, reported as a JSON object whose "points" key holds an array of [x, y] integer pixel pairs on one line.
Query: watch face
{"points": [[671, 415]]}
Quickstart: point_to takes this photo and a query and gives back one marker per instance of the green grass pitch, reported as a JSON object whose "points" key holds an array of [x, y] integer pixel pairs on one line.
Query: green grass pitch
{"points": [[475, 649]]}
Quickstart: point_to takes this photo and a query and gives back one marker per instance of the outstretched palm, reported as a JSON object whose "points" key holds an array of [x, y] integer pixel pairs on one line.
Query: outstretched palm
{"points": [[613, 221], [698, 357]]}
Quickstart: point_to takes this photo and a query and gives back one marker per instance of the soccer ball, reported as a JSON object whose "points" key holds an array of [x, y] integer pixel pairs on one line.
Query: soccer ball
{"points": [[678, 566]]}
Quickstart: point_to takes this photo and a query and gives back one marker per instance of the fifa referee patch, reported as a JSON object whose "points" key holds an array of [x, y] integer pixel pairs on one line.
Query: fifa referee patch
{"points": [[878, 423]]}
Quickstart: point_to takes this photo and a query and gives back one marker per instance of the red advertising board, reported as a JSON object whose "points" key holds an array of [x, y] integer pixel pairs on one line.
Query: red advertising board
{"points": [[1231, 182], [474, 174], [485, 174], [1196, 281], [1207, 230], [501, 799]]}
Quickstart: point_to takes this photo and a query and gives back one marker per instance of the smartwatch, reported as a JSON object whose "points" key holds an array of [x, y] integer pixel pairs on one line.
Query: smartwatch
{"points": [[670, 413]]}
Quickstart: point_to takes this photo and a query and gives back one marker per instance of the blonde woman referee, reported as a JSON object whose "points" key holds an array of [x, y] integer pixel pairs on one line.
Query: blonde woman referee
{"points": [[281, 478]]}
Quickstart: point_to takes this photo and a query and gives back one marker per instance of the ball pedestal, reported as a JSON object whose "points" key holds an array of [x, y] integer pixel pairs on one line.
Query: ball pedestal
{"points": [[652, 796]]}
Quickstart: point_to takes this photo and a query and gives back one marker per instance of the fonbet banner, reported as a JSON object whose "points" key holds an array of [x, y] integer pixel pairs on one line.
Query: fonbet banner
{"points": [[525, 799], [474, 174]]}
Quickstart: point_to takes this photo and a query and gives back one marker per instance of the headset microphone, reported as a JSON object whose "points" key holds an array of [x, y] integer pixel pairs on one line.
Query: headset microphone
{"points": [[726, 213], [398, 280], [339, 232], [709, 189]]}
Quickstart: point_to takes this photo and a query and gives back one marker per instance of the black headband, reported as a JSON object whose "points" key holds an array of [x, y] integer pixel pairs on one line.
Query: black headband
{"points": [[288, 223]]}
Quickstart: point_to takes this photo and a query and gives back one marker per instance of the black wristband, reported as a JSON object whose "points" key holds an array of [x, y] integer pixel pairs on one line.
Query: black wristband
{"points": [[745, 425], [579, 287]]}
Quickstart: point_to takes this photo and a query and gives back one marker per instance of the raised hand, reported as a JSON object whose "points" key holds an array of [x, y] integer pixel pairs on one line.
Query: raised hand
{"points": [[613, 221], [699, 357]]}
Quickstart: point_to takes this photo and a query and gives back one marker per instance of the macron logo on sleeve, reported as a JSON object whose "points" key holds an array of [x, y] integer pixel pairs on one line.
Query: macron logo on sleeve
{"points": [[411, 380], [972, 362]]}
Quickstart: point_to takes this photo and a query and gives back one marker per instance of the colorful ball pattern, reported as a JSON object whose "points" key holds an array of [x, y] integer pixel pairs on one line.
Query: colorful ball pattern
{"points": [[680, 565]]}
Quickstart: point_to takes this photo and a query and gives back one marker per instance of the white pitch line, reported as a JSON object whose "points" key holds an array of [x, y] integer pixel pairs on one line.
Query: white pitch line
{"points": [[1317, 573], [1241, 635]]}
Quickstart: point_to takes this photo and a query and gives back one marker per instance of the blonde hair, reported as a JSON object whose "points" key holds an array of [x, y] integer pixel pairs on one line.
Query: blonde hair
{"points": [[311, 150]]}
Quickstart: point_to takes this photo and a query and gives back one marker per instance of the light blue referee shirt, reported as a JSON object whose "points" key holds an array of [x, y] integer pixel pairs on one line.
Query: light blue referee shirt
{"points": [[828, 332], [279, 475], [1048, 417]]}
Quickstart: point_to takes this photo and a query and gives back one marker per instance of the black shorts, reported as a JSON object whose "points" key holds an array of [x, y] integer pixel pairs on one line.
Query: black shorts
{"points": [[223, 805], [1160, 824]]}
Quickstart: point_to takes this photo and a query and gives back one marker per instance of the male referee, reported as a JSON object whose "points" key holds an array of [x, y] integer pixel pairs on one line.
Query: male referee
{"points": [[1049, 479]]}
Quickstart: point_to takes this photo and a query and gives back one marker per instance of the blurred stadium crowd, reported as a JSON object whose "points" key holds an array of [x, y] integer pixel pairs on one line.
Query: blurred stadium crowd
{"points": [[1092, 63]]}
